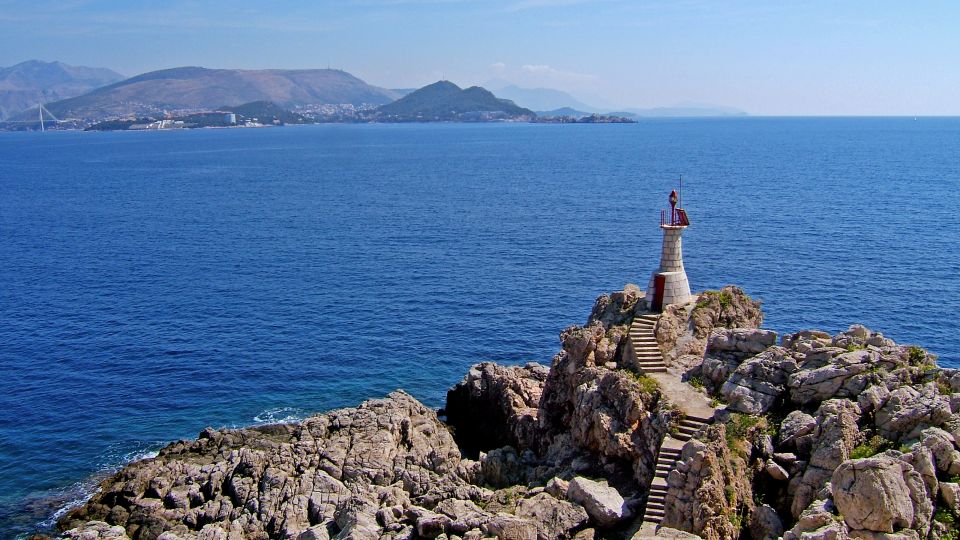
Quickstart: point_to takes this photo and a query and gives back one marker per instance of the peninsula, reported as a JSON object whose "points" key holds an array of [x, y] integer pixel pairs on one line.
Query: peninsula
{"points": [[667, 414]]}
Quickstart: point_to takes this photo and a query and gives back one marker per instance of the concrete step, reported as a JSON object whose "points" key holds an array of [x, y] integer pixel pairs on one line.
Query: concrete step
{"points": [[699, 418], [653, 514]]}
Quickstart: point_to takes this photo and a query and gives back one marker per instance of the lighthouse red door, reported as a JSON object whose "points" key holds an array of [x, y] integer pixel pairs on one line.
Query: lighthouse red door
{"points": [[659, 282]]}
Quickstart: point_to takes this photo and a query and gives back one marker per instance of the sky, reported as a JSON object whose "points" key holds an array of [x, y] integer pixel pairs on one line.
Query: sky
{"points": [[766, 58]]}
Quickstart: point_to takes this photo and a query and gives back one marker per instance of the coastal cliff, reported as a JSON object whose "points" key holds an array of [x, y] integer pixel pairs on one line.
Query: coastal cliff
{"points": [[814, 436]]}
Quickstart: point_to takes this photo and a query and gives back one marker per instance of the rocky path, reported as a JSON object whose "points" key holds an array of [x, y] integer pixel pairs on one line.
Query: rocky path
{"points": [[696, 409]]}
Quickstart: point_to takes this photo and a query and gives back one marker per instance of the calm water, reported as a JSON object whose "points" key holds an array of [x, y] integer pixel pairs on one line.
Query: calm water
{"points": [[152, 284]]}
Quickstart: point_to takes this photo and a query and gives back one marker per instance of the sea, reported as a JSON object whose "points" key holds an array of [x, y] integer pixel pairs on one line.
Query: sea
{"points": [[155, 283]]}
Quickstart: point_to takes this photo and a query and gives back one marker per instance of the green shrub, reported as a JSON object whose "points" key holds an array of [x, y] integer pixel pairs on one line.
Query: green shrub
{"points": [[696, 382], [871, 447], [739, 428], [724, 298], [648, 384], [916, 355]]}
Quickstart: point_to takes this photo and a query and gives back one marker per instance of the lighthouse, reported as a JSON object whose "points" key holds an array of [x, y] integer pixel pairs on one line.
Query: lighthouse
{"points": [[668, 284]]}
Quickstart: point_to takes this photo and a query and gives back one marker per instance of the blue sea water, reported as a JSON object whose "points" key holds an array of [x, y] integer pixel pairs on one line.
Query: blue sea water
{"points": [[155, 283]]}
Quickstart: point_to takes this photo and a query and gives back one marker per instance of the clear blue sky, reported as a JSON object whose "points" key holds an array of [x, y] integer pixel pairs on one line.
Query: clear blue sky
{"points": [[782, 57]]}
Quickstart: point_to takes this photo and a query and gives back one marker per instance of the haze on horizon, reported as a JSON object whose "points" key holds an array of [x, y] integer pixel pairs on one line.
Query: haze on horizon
{"points": [[812, 58]]}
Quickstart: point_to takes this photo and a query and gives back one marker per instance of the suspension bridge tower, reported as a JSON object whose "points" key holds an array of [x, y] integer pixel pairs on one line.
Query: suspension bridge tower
{"points": [[668, 284]]}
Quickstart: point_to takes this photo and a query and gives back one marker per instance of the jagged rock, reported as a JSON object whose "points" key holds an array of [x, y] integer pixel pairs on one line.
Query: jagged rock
{"points": [[835, 434], [96, 530], [662, 533], [909, 407], [882, 494], [941, 445], [795, 425], [921, 459], [683, 330], [507, 527], [554, 519], [465, 516], [756, 385], [557, 487], [873, 398], [776, 471], [765, 524], [502, 467], [819, 521], [586, 534], [287, 477], [950, 493], [906, 534], [495, 406], [837, 379], [602, 502], [706, 487], [746, 340]]}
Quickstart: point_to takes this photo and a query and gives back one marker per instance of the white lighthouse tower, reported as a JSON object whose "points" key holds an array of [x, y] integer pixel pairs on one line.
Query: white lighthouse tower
{"points": [[668, 284]]}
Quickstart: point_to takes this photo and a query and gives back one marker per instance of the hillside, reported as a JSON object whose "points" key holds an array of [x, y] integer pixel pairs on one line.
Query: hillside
{"points": [[196, 88], [445, 101], [23, 85]]}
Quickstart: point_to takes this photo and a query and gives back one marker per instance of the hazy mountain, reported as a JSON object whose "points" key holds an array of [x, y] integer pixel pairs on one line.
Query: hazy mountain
{"points": [[682, 111], [444, 100], [565, 111], [542, 99], [24, 85], [202, 88]]}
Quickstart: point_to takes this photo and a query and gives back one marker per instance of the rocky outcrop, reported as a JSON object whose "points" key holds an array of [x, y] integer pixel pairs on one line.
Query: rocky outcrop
{"points": [[707, 487], [496, 406], [603, 503], [882, 494], [819, 436], [683, 330], [338, 469], [760, 382]]}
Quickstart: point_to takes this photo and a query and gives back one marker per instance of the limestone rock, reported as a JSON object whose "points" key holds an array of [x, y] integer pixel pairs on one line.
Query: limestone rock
{"points": [[285, 478], [765, 524], [795, 425], [554, 519], [950, 493], [495, 406], [96, 530], [837, 379], [776, 471], [746, 340], [508, 527], [819, 521], [881, 494], [757, 384], [602, 502], [909, 407]]}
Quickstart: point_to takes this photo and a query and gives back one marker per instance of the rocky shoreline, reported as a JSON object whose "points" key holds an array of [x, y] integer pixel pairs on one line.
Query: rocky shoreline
{"points": [[815, 437]]}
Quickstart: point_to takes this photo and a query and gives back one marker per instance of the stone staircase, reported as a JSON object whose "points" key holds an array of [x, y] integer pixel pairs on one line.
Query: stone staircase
{"points": [[646, 350], [667, 458], [696, 410]]}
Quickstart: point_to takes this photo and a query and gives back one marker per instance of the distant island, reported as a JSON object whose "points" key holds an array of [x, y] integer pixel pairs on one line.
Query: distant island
{"points": [[96, 99]]}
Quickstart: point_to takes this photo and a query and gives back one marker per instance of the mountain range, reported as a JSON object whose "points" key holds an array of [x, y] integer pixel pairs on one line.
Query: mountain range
{"points": [[91, 94], [195, 88], [24, 85]]}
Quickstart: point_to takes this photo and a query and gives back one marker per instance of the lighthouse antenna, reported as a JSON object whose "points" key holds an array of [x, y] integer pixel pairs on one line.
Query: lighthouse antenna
{"points": [[681, 191]]}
